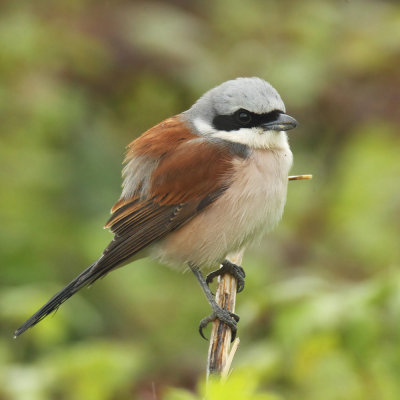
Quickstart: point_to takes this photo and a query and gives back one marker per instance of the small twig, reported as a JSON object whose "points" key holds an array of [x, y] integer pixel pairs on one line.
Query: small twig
{"points": [[225, 371], [299, 177], [219, 355]]}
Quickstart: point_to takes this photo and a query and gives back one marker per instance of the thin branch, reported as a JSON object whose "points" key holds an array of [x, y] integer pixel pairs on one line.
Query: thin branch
{"points": [[219, 355]]}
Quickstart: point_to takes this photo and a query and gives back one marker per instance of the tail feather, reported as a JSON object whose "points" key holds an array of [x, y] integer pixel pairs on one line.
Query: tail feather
{"points": [[88, 276]]}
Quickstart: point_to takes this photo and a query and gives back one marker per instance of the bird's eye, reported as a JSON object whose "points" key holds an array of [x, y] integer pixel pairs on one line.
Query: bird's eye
{"points": [[243, 116]]}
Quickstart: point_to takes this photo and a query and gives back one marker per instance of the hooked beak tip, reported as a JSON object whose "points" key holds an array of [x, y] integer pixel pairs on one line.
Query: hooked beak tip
{"points": [[284, 122]]}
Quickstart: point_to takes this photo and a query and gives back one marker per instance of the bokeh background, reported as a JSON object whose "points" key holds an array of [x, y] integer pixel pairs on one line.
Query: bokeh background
{"points": [[320, 315]]}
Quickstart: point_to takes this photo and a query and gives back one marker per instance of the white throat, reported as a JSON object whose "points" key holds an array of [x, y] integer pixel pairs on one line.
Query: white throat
{"points": [[255, 138]]}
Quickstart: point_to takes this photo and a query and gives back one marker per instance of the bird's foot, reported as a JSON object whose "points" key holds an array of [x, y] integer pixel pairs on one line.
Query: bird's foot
{"points": [[229, 268], [229, 318]]}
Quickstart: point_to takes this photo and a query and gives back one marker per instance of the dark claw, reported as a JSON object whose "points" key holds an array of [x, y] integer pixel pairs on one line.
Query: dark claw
{"points": [[224, 316], [233, 269]]}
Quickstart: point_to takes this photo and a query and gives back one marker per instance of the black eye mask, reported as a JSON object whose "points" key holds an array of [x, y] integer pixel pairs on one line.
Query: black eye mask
{"points": [[243, 119]]}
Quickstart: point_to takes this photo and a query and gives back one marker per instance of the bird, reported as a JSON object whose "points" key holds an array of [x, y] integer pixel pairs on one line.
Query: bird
{"points": [[197, 187]]}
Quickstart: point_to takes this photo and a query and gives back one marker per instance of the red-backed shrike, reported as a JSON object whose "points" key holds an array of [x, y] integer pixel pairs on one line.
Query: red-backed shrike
{"points": [[198, 186]]}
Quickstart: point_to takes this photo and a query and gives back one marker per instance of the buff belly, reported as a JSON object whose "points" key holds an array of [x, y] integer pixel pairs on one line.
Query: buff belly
{"points": [[251, 206]]}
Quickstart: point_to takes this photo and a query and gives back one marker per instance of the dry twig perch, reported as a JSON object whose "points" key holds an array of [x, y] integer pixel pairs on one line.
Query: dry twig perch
{"points": [[219, 359], [220, 352]]}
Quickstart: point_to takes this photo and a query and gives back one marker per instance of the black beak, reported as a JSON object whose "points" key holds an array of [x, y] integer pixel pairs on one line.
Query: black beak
{"points": [[283, 122]]}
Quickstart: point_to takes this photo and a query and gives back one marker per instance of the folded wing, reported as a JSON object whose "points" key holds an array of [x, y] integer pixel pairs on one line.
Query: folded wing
{"points": [[186, 176]]}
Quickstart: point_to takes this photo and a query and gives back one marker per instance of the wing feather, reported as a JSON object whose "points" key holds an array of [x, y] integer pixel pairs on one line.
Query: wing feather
{"points": [[187, 176]]}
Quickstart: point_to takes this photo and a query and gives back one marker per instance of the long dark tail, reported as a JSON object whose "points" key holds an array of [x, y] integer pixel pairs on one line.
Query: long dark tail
{"points": [[88, 276]]}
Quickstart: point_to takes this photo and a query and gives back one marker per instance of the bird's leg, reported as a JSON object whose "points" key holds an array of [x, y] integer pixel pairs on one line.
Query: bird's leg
{"points": [[229, 268], [225, 316]]}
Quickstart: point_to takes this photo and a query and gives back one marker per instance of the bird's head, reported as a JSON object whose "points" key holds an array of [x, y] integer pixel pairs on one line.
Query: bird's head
{"points": [[248, 111]]}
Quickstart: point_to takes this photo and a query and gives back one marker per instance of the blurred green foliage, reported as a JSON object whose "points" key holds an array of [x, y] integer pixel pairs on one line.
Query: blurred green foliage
{"points": [[80, 79]]}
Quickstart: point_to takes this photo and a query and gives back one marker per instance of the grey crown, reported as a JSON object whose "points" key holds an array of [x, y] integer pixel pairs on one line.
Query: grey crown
{"points": [[253, 94]]}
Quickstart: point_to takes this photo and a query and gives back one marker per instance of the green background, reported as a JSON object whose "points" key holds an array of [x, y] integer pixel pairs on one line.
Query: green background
{"points": [[80, 79]]}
